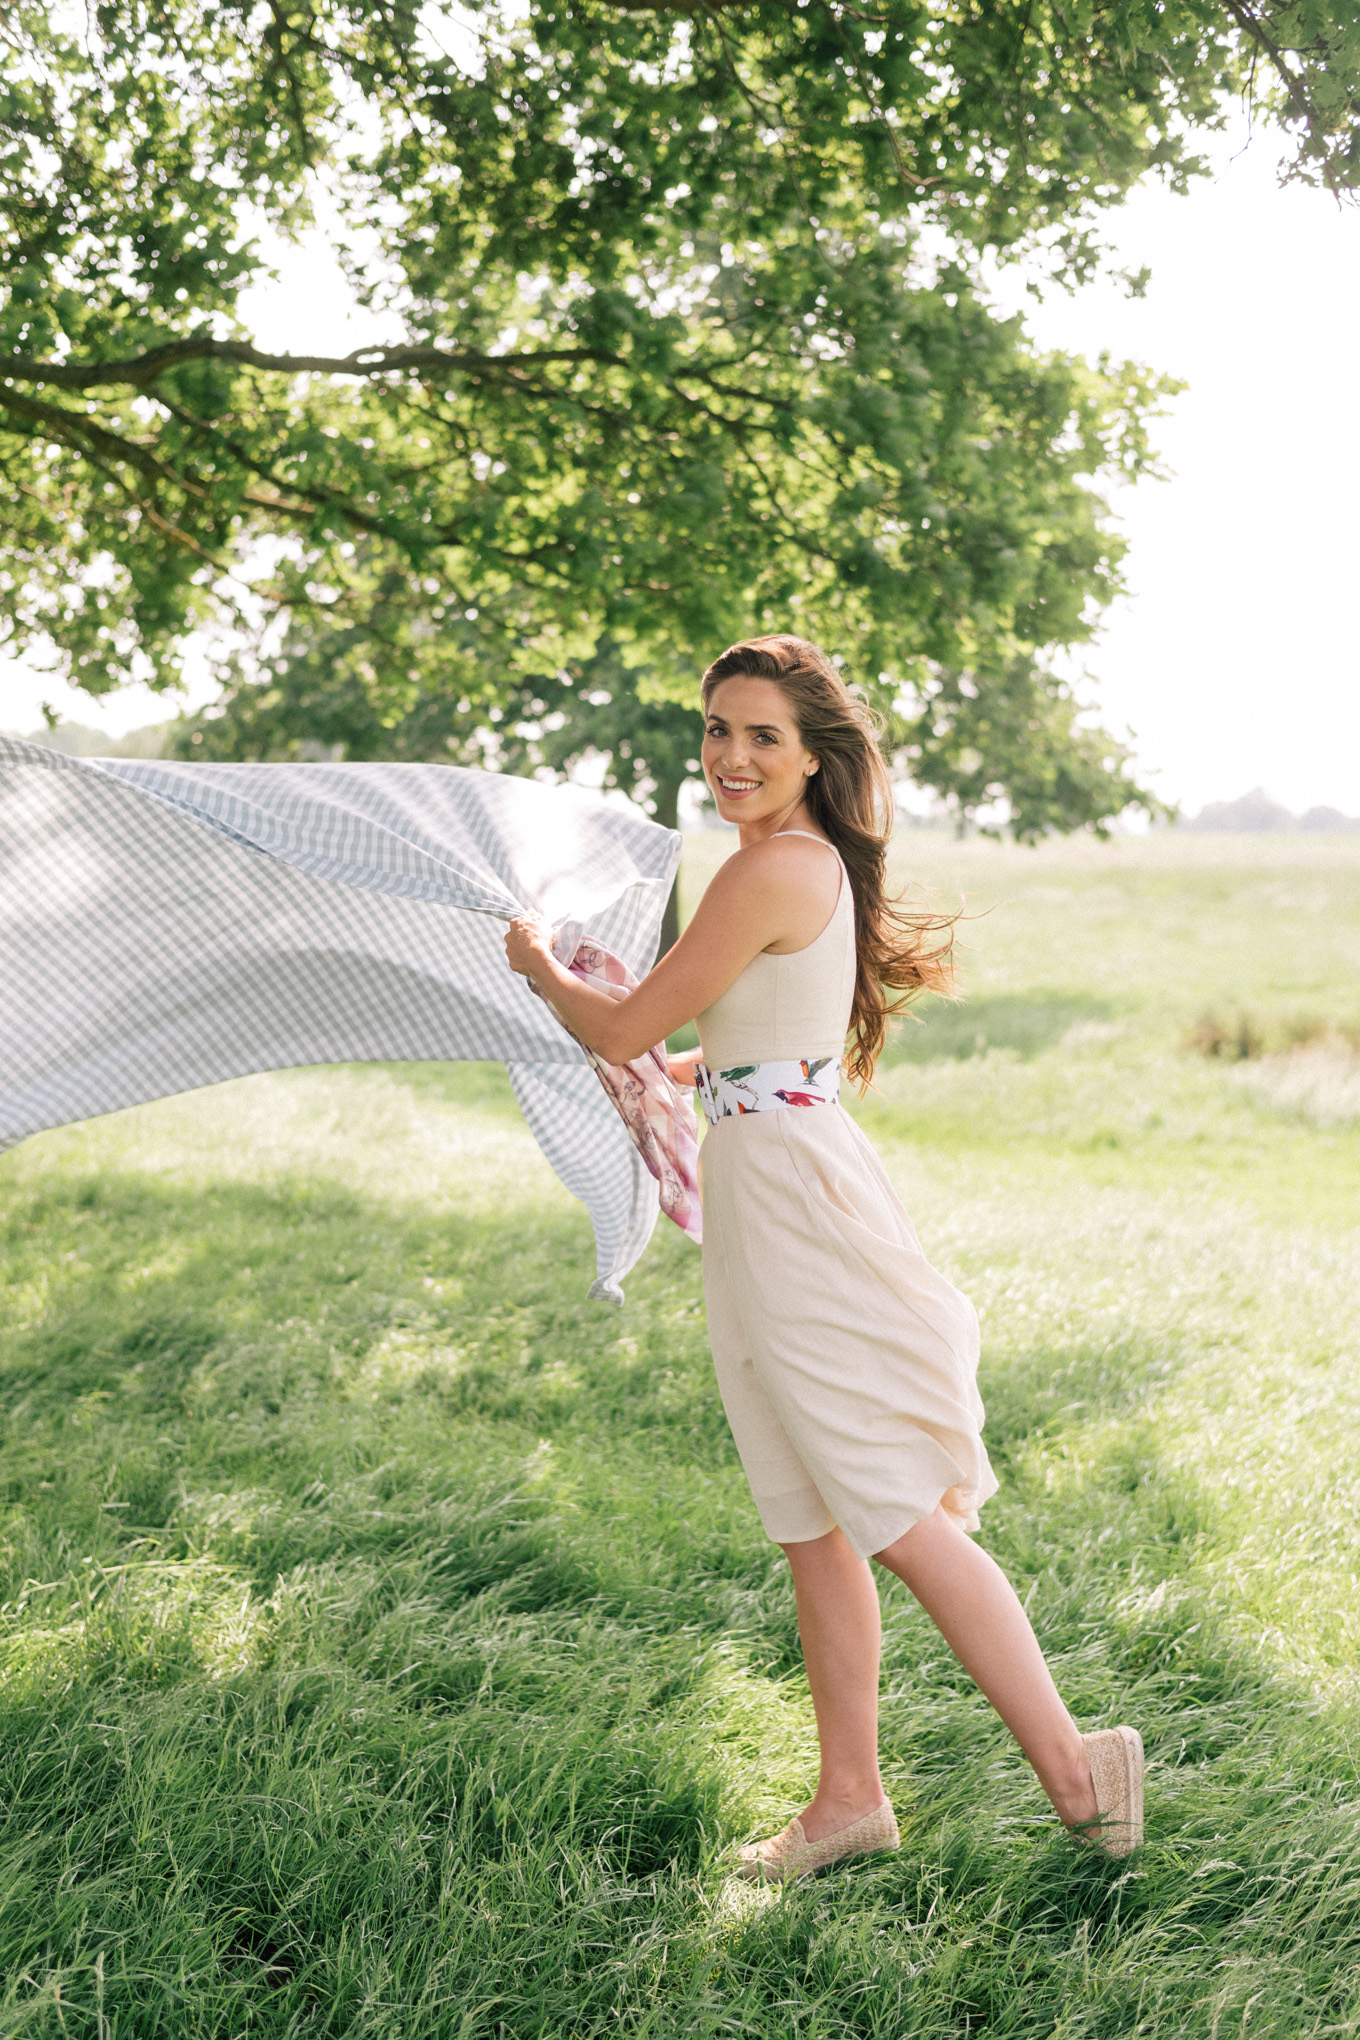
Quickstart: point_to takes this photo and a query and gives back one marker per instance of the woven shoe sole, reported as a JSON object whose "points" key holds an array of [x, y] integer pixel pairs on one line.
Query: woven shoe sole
{"points": [[1116, 1758]]}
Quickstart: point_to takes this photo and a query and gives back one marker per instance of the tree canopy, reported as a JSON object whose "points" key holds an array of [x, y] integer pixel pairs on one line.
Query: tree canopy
{"points": [[694, 345]]}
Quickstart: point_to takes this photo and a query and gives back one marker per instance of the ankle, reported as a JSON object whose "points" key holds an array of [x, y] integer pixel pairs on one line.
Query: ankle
{"points": [[843, 1787], [1072, 1793], [836, 1803]]}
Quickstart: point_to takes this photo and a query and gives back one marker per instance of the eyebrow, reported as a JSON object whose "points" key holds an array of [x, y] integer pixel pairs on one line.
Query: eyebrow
{"points": [[752, 728]]}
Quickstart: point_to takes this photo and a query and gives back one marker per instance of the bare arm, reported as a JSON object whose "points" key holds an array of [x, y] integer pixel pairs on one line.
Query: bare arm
{"points": [[779, 893]]}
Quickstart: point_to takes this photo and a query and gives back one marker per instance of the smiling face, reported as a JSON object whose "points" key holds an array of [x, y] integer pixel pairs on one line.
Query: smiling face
{"points": [[753, 757]]}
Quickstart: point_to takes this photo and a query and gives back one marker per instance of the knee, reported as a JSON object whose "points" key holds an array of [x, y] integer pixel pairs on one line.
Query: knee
{"points": [[817, 1554], [915, 1544]]}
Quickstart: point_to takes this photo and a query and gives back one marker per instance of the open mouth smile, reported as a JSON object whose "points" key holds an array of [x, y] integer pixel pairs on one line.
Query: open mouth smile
{"points": [[735, 788]]}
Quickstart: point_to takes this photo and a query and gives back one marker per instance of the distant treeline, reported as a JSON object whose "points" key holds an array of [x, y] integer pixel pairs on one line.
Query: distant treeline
{"points": [[78, 740], [1252, 813], [1255, 812]]}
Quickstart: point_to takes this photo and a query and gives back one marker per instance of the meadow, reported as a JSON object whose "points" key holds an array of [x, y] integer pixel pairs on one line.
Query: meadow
{"points": [[389, 1645]]}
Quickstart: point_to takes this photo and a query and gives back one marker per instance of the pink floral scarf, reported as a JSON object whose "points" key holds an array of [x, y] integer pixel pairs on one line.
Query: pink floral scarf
{"points": [[657, 1112]]}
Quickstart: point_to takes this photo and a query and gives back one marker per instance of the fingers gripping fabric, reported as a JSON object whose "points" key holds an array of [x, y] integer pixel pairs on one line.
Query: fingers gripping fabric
{"points": [[166, 926]]}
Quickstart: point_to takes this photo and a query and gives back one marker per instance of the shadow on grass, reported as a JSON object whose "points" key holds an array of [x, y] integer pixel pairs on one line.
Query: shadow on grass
{"points": [[1027, 1023], [272, 1341], [389, 1641]]}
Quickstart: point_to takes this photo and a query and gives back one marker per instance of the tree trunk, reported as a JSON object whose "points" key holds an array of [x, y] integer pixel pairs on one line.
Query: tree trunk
{"points": [[666, 810]]}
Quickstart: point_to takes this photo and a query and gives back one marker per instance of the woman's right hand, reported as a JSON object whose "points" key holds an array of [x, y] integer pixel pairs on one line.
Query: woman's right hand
{"points": [[528, 946], [682, 1067]]}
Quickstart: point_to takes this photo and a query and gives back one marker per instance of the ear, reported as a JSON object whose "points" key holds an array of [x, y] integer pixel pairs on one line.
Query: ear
{"points": [[815, 766]]}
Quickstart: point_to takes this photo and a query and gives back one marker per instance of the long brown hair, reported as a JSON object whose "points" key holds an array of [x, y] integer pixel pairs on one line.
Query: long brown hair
{"points": [[850, 797]]}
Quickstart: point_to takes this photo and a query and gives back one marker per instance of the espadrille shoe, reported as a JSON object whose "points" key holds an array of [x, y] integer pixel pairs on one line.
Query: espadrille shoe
{"points": [[1116, 1756], [791, 1854]]}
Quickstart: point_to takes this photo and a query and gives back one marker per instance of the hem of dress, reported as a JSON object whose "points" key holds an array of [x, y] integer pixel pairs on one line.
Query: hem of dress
{"points": [[806, 1499], [967, 1521]]}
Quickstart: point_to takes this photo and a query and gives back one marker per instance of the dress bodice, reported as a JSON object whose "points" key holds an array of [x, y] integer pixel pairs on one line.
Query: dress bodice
{"points": [[783, 1007]]}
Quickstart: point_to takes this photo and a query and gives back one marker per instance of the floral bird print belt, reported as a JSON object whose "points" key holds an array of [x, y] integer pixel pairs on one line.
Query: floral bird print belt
{"points": [[767, 1086]]}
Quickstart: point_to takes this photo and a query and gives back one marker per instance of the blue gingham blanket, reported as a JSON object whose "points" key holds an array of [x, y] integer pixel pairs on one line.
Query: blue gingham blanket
{"points": [[164, 926]]}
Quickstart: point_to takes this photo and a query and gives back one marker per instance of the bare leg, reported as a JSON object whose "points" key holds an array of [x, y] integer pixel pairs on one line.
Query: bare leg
{"points": [[839, 1623], [974, 1606]]}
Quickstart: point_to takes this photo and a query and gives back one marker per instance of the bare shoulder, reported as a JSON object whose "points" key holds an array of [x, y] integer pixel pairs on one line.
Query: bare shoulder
{"points": [[781, 870], [792, 859]]}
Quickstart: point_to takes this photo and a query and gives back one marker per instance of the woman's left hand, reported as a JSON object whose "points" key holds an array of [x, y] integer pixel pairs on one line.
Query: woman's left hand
{"points": [[528, 945]]}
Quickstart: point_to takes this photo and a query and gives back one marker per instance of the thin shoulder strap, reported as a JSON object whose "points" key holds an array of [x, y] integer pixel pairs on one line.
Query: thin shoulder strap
{"points": [[842, 889], [812, 839]]}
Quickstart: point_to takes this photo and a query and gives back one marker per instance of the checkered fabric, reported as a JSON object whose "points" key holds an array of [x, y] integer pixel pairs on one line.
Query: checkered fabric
{"points": [[164, 926]]}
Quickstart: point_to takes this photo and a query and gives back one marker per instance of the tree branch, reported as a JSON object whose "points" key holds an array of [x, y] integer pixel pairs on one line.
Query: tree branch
{"points": [[107, 453], [305, 499], [82, 435], [1252, 26], [670, 6], [142, 370]]}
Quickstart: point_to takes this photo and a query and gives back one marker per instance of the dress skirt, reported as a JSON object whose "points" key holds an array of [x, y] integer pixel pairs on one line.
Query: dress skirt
{"points": [[847, 1364]]}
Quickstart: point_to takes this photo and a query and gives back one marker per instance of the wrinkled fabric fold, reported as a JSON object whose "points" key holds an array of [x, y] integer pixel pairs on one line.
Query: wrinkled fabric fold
{"points": [[847, 1364], [166, 926]]}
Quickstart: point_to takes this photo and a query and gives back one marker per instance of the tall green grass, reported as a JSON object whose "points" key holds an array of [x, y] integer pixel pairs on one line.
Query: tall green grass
{"points": [[388, 1644]]}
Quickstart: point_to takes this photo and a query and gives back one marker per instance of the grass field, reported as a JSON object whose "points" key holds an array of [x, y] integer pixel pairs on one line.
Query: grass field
{"points": [[389, 1646]]}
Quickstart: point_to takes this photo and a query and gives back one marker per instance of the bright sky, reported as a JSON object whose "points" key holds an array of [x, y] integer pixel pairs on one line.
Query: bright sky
{"points": [[1235, 658]]}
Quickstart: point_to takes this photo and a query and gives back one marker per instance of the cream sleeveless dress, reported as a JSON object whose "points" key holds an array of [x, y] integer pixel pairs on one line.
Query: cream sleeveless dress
{"points": [[847, 1365]]}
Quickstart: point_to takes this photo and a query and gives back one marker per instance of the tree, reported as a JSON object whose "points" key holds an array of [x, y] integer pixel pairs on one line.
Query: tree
{"points": [[694, 345], [326, 693]]}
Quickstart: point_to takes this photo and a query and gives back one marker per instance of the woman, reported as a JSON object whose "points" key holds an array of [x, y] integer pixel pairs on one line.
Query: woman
{"points": [[847, 1365]]}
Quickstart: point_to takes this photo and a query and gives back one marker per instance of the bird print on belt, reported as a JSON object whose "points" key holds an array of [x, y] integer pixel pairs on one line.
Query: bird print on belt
{"points": [[743, 1088]]}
